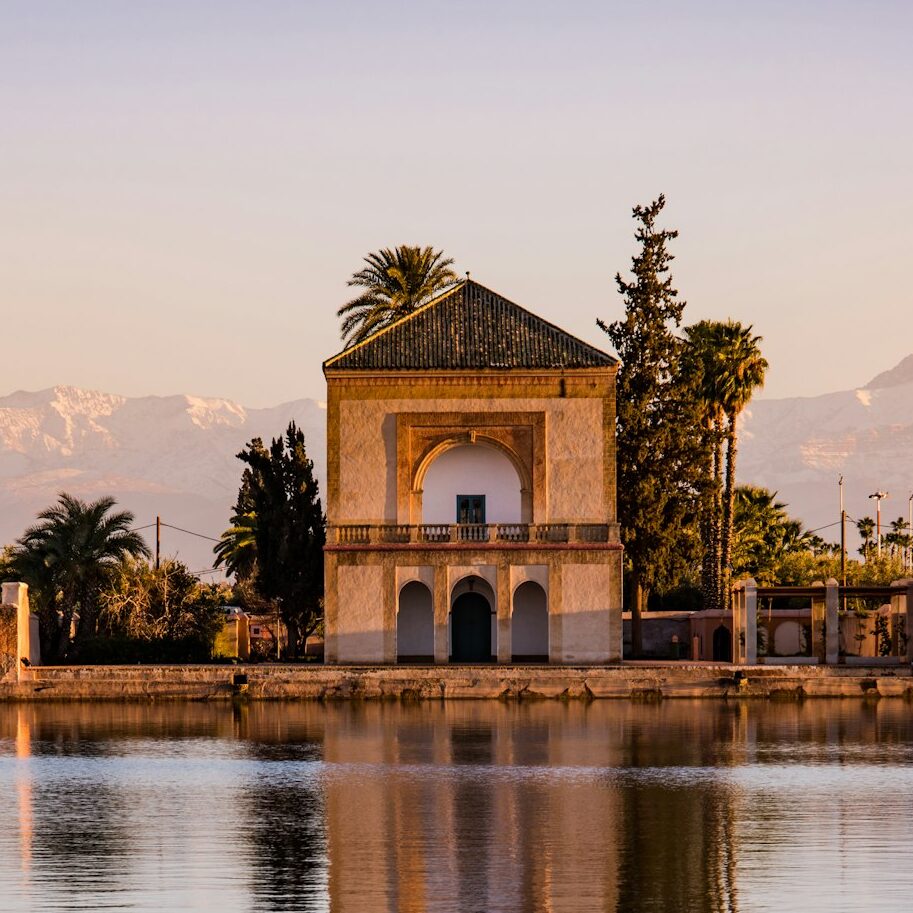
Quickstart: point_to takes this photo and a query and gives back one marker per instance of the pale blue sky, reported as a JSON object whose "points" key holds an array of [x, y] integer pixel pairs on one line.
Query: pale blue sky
{"points": [[186, 186]]}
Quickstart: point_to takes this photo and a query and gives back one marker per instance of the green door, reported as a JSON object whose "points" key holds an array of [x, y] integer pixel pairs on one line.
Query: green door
{"points": [[470, 629]]}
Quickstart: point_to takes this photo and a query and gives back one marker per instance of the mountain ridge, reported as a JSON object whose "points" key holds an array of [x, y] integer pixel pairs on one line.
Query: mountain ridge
{"points": [[175, 455]]}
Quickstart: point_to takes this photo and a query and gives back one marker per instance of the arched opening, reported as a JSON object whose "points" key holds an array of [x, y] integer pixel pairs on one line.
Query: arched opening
{"points": [[415, 624], [529, 624], [472, 622], [474, 476], [722, 645]]}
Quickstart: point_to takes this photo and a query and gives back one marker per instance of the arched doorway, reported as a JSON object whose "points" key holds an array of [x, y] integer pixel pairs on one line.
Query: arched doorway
{"points": [[470, 629], [415, 624], [529, 624], [722, 645]]}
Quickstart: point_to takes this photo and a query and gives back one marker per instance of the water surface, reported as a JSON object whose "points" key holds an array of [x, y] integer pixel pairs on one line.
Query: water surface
{"points": [[465, 806]]}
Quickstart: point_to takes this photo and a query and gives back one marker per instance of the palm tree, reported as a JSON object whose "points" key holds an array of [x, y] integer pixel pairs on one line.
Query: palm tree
{"points": [[237, 546], [866, 527], [763, 533], [66, 558], [701, 361], [743, 370], [395, 283]]}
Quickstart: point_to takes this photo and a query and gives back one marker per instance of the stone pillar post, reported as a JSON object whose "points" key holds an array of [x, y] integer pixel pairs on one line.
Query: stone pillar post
{"points": [[504, 614], [750, 622], [441, 597], [27, 646], [832, 622], [818, 646], [738, 595], [908, 627]]}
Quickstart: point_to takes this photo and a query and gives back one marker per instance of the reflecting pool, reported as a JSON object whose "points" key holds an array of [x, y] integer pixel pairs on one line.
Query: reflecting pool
{"points": [[465, 806]]}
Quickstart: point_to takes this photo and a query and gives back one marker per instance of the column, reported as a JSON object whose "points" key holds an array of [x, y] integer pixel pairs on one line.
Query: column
{"points": [[832, 622], [17, 594], [441, 597], [504, 612], [818, 611], [750, 622], [738, 632], [908, 628]]}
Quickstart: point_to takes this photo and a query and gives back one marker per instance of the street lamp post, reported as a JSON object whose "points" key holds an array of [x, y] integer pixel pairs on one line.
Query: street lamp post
{"points": [[878, 497]]}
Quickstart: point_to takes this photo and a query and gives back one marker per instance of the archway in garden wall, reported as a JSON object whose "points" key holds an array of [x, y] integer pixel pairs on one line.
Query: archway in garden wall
{"points": [[722, 644]]}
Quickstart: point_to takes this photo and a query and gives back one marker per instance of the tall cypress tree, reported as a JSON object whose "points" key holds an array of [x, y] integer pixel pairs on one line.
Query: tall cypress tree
{"points": [[280, 490], [660, 447]]}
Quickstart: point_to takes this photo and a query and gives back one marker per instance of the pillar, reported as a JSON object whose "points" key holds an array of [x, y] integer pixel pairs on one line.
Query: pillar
{"points": [[441, 598], [502, 595], [27, 645], [908, 628], [750, 622], [818, 612], [738, 596], [832, 622], [745, 623]]}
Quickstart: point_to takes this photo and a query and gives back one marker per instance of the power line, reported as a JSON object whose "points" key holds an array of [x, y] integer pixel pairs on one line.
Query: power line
{"points": [[826, 526], [190, 532]]}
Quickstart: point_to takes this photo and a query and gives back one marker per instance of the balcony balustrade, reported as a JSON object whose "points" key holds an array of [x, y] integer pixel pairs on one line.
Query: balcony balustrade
{"points": [[449, 533]]}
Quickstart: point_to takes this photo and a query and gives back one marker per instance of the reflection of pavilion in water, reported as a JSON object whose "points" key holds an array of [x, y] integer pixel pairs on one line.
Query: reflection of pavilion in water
{"points": [[460, 806], [469, 808]]}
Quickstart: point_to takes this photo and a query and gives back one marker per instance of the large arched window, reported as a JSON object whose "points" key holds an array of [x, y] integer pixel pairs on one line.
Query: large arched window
{"points": [[471, 483]]}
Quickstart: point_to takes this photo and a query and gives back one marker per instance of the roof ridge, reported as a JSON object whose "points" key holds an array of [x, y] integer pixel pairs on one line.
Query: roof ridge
{"points": [[535, 316], [468, 327]]}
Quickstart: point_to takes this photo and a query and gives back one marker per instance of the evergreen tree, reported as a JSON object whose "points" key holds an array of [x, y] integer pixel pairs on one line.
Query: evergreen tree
{"points": [[659, 428], [288, 528]]}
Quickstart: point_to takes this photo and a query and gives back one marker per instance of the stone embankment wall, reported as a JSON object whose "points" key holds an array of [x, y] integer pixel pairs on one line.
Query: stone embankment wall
{"points": [[639, 682]]}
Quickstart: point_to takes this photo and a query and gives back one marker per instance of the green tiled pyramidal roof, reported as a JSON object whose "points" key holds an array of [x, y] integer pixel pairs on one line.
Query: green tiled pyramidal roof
{"points": [[466, 328]]}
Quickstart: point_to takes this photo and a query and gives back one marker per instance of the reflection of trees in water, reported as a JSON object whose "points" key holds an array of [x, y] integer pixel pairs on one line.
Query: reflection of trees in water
{"points": [[283, 807], [82, 843], [460, 806], [678, 850], [287, 845]]}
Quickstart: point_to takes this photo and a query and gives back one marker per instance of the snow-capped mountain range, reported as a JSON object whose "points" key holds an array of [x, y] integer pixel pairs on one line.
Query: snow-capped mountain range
{"points": [[801, 446], [175, 455]]}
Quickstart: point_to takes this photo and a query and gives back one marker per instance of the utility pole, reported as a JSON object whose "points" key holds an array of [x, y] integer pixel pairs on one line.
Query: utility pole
{"points": [[158, 540], [843, 535], [878, 497]]}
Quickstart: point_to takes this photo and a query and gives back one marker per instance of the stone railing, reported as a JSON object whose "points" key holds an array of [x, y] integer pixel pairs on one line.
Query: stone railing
{"points": [[447, 533]]}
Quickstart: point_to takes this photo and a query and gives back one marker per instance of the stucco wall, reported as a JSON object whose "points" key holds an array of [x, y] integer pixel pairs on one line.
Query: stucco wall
{"points": [[360, 594], [574, 453], [587, 613]]}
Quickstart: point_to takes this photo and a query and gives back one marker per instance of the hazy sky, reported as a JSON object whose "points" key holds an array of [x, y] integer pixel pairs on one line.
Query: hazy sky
{"points": [[186, 186]]}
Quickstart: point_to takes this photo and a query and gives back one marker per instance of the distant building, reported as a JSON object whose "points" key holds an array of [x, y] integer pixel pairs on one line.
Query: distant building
{"points": [[471, 491]]}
